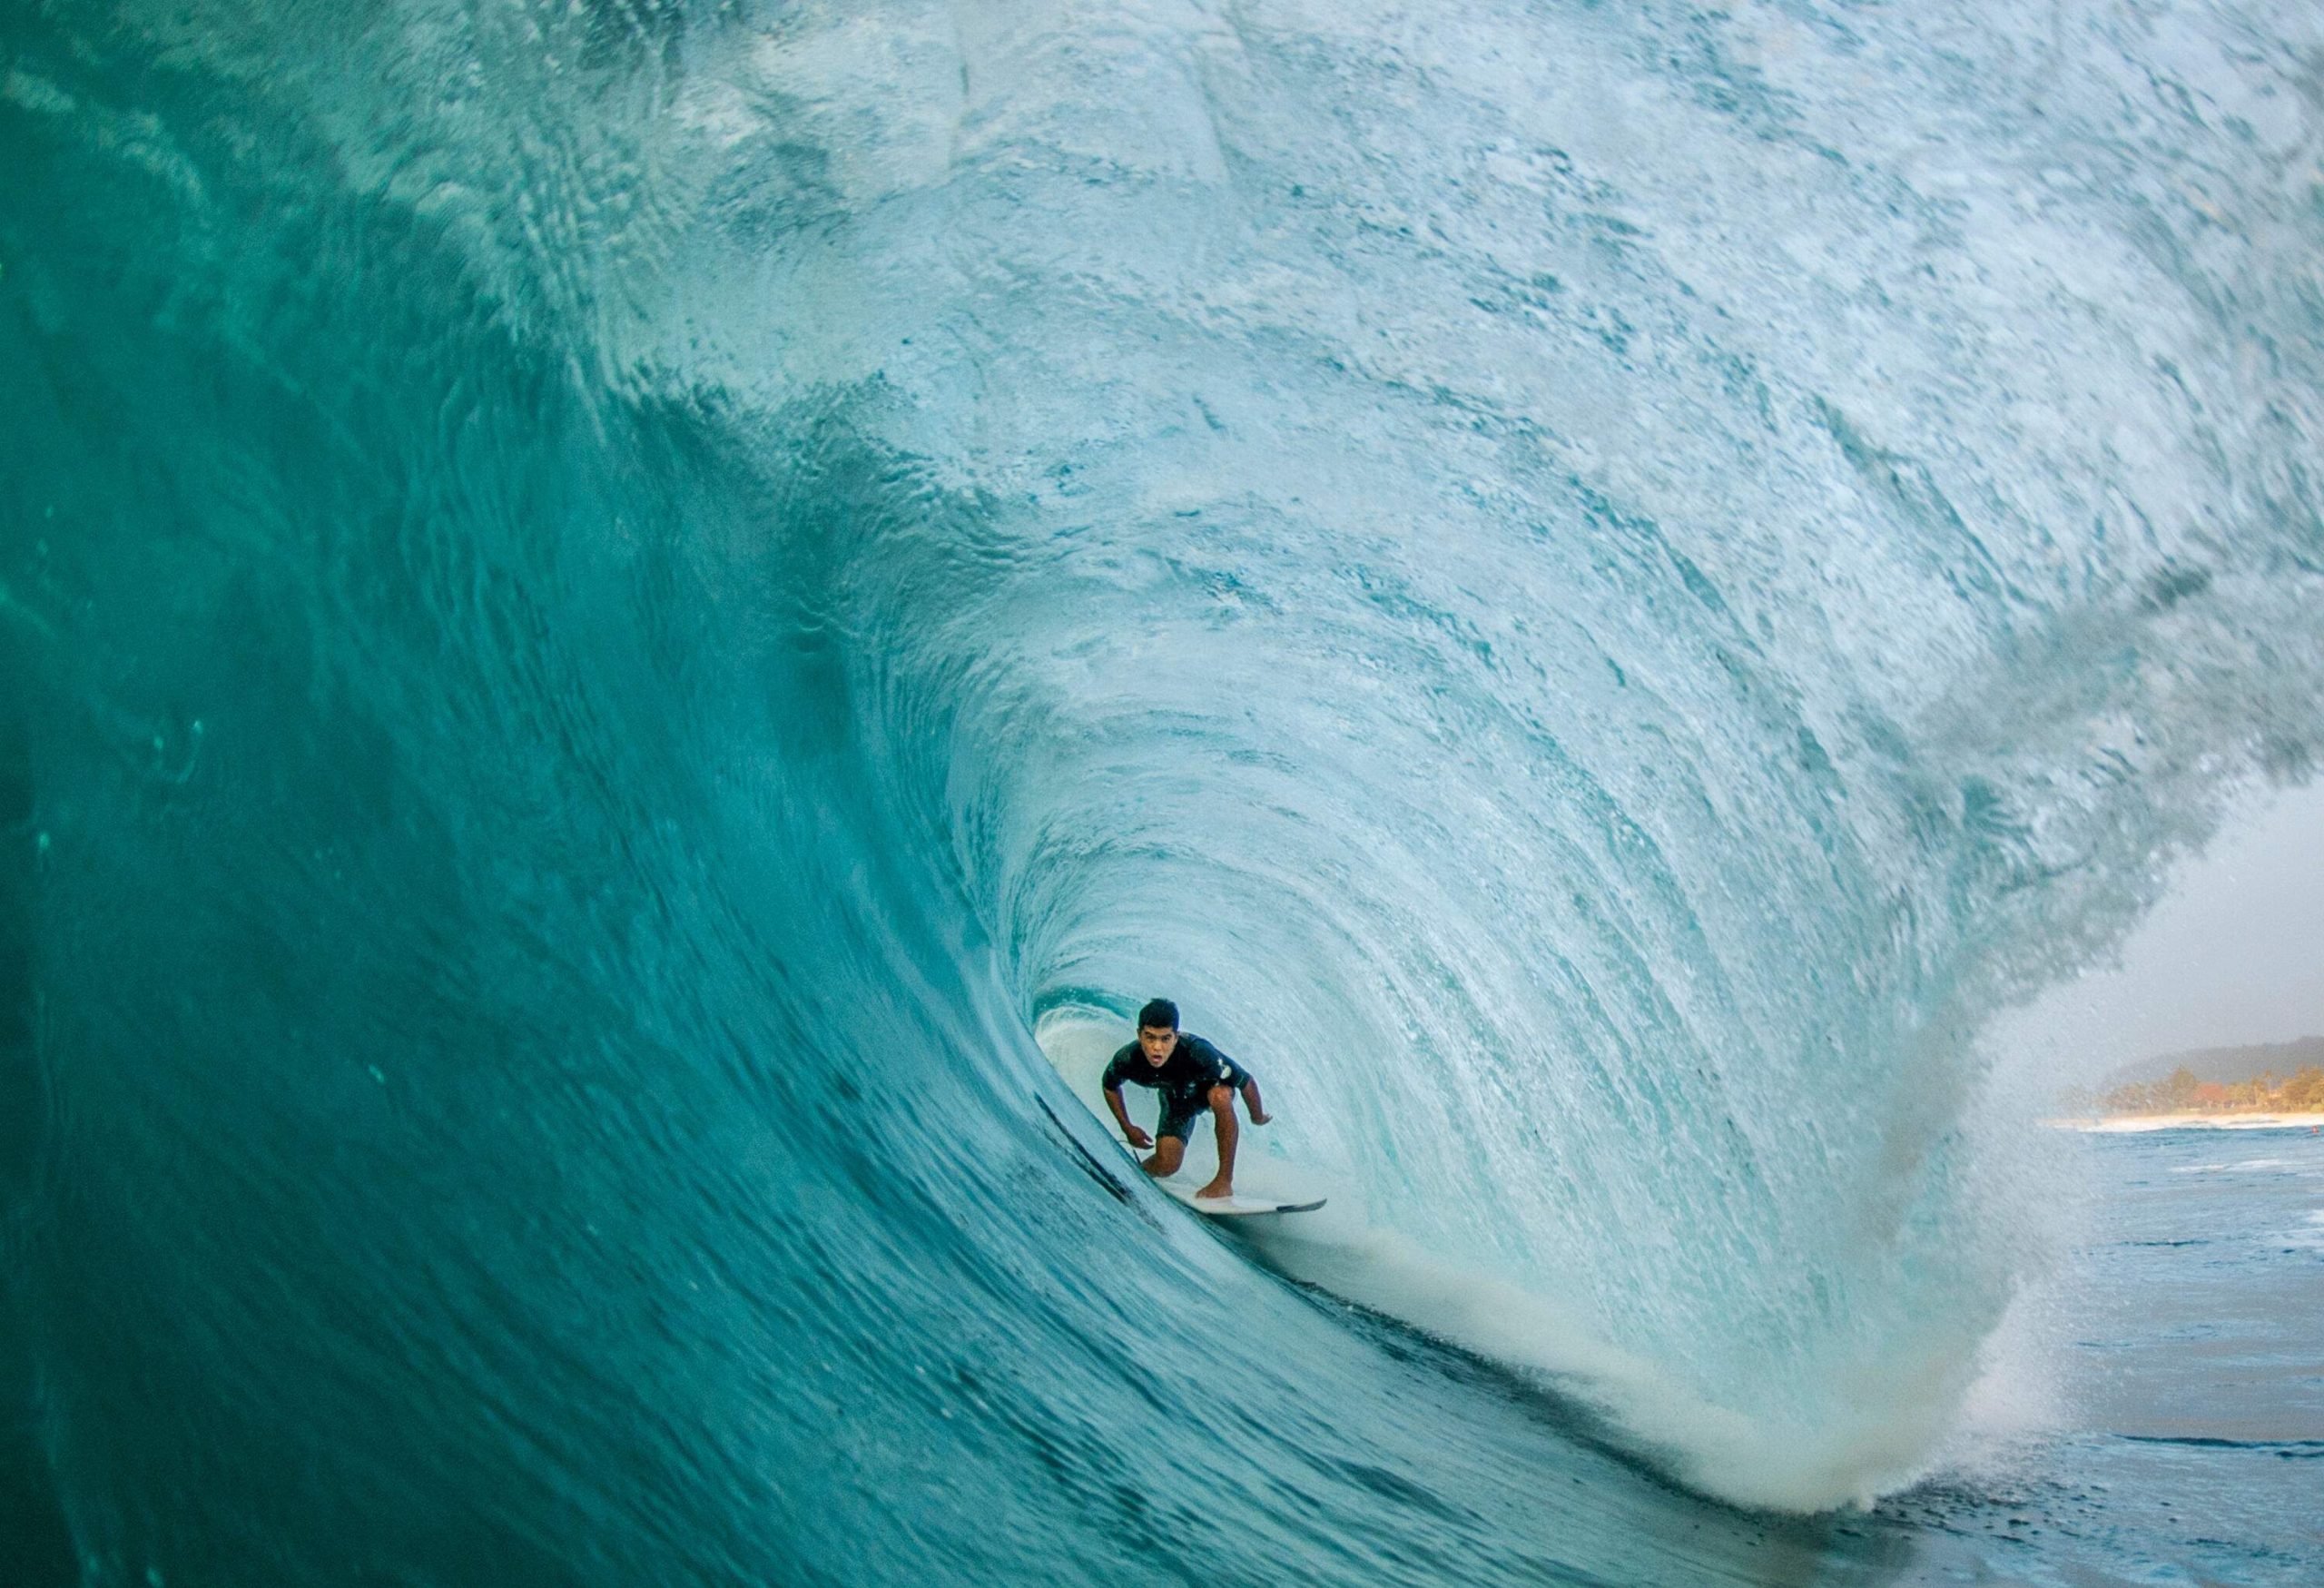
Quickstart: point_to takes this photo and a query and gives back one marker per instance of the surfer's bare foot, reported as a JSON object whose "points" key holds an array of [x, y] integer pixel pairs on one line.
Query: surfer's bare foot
{"points": [[1216, 1189], [1262, 1118]]}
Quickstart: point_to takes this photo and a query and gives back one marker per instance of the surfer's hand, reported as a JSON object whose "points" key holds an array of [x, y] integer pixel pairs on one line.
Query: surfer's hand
{"points": [[1138, 1137]]}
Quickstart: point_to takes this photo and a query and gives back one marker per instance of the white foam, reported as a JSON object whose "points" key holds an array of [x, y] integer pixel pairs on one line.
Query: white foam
{"points": [[1711, 1447]]}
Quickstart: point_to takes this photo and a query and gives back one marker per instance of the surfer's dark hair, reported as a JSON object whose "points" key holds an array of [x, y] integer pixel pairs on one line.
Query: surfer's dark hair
{"points": [[1161, 1014]]}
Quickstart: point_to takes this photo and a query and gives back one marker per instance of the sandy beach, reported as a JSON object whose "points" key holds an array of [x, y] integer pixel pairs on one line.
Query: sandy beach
{"points": [[2114, 1124]]}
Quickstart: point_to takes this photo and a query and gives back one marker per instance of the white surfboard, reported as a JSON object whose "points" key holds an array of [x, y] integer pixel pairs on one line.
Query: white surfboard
{"points": [[1237, 1206]]}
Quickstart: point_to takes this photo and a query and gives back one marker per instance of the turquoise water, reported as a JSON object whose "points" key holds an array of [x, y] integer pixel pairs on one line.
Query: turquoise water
{"points": [[622, 627]]}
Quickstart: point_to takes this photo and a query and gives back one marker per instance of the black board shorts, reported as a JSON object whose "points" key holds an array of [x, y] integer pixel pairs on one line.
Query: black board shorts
{"points": [[1179, 1114], [1181, 1111]]}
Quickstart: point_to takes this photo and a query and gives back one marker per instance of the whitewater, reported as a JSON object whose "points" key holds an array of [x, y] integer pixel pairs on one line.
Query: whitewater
{"points": [[629, 632]]}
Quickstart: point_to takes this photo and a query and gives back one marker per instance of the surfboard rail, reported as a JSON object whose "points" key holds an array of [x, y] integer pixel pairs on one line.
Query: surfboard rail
{"points": [[1237, 1206]]}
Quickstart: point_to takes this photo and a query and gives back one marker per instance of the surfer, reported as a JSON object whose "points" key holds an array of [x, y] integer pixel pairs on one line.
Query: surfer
{"points": [[1192, 1076]]}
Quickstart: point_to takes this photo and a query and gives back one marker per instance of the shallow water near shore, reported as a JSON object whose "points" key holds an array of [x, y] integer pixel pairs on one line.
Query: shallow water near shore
{"points": [[2133, 1124]]}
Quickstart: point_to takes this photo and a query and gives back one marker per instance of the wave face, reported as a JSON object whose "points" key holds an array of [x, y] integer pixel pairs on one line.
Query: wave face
{"points": [[605, 605]]}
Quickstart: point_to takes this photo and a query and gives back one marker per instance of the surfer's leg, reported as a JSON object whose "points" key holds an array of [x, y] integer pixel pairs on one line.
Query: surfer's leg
{"points": [[1172, 1131], [1222, 1110]]}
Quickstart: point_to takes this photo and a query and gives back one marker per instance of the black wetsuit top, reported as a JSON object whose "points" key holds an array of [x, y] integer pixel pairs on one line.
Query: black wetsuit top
{"points": [[1184, 1079]]}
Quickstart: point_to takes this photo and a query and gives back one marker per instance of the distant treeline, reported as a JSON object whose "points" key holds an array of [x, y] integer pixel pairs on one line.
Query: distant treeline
{"points": [[2183, 1092]]}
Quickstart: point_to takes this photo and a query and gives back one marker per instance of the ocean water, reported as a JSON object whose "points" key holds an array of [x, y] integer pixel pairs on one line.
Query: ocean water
{"points": [[2159, 1416], [627, 630]]}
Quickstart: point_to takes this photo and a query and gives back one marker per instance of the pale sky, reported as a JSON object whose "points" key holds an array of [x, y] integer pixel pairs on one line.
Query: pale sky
{"points": [[2233, 954]]}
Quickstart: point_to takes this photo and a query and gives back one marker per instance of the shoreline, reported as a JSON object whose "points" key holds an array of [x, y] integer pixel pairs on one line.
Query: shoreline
{"points": [[2125, 1124]]}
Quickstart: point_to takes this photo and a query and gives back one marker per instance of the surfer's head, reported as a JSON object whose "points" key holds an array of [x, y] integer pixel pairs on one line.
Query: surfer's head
{"points": [[1158, 1029]]}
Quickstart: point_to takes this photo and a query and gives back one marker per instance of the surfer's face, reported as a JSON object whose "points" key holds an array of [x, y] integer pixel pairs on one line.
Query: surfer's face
{"points": [[1157, 1044]]}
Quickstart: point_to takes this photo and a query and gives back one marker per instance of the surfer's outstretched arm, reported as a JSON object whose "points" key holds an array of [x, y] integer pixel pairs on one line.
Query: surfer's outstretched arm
{"points": [[1252, 1100], [1222, 1111]]}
